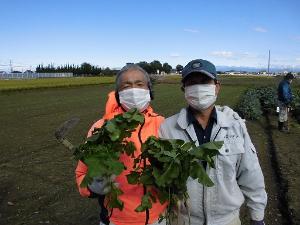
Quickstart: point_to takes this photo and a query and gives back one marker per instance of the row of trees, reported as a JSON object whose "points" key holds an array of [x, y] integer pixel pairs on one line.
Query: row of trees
{"points": [[156, 67], [86, 69]]}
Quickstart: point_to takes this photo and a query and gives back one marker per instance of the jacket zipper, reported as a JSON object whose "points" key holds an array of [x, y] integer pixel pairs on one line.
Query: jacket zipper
{"points": [[204, 199], [204, 205]]}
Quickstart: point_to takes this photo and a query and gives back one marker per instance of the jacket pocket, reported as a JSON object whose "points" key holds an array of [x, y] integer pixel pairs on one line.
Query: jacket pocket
{"points": [[227, 197], [228, 159], [194, 202]]}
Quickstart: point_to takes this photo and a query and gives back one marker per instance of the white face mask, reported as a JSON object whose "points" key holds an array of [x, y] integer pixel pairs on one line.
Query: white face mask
{"points": [[135, 98], [200, 96]]}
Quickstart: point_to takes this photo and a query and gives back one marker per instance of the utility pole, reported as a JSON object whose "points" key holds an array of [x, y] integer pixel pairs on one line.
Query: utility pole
{"points": [[269, 63], [10, 65]]}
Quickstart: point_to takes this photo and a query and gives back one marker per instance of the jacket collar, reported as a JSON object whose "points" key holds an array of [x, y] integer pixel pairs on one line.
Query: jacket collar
{"points": [[192, 119], [182, 121]]}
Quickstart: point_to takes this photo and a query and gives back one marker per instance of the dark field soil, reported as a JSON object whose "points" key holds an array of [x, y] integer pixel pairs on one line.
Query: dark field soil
{"points": [[37, 184]]}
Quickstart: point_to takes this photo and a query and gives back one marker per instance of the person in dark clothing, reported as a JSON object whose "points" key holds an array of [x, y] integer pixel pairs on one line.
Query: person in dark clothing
{"points": [[285, 98]]}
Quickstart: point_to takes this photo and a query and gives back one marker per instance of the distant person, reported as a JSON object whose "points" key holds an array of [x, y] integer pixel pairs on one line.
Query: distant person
{"points": [[237, 176], [133, 90], [285, 98]]}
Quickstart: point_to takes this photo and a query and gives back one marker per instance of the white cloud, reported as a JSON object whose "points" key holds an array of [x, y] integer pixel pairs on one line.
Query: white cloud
{"points": [[260, 29], [246, 54], [250, 55], [191, 30], [175, 55], [229, 55], [222, 54], [298, 59]]}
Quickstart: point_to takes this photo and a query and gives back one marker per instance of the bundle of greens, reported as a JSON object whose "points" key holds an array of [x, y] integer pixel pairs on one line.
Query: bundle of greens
{"points": [[102, 150], [163, 167], [171, 163]]}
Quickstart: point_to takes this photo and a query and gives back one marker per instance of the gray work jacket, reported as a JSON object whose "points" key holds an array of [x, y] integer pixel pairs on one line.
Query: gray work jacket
{"points": [[237, 177]]}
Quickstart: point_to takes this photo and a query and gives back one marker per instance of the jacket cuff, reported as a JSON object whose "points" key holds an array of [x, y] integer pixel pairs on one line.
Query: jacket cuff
{"points": [[92, 194], [257, 215]]}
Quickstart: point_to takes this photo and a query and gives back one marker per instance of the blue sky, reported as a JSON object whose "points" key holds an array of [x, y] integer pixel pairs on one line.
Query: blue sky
{"points": [[111, 33]]}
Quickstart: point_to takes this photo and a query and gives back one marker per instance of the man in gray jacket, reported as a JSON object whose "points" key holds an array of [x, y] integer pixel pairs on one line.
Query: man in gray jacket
{"points": [[237, 175]]}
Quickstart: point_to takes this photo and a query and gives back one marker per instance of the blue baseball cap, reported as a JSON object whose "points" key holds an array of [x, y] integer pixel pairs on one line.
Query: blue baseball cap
{"points": [[200, 66]]}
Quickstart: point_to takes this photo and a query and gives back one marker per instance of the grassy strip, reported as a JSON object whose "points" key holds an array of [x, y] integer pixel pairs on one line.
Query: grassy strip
{"points": [[249, 81], [11, 85]]}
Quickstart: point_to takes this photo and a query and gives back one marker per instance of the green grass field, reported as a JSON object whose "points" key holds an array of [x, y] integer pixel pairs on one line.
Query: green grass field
{"points": [[10, 85], [6, 85], [37, 173]]}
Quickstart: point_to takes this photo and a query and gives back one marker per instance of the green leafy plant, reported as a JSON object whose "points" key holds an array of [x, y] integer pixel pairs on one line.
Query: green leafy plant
{"points": [[249, 105], [268, 98], [296, 105], [102, 150], [171, 163], [256, 102]]}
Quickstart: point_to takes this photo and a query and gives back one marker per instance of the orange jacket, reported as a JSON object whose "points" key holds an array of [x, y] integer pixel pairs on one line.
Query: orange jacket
{"points": [[132, 193]]}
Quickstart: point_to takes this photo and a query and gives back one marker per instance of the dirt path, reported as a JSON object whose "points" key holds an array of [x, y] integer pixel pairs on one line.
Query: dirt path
{"points": [[260, 138], [279, 158], [281, 186], [37, 175], [40, 198], [287, 152]]}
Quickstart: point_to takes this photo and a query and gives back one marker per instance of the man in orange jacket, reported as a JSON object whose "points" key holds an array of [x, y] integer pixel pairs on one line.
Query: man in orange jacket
{"points": [[133, 90]]}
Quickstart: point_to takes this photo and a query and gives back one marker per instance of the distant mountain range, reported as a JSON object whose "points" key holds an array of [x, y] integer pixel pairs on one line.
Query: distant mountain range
{"points": [[256, 69]]}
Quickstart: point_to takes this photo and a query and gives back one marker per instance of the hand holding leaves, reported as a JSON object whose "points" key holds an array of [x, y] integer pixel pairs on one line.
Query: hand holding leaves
{"points": [[171, 163], [102, 150]]}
